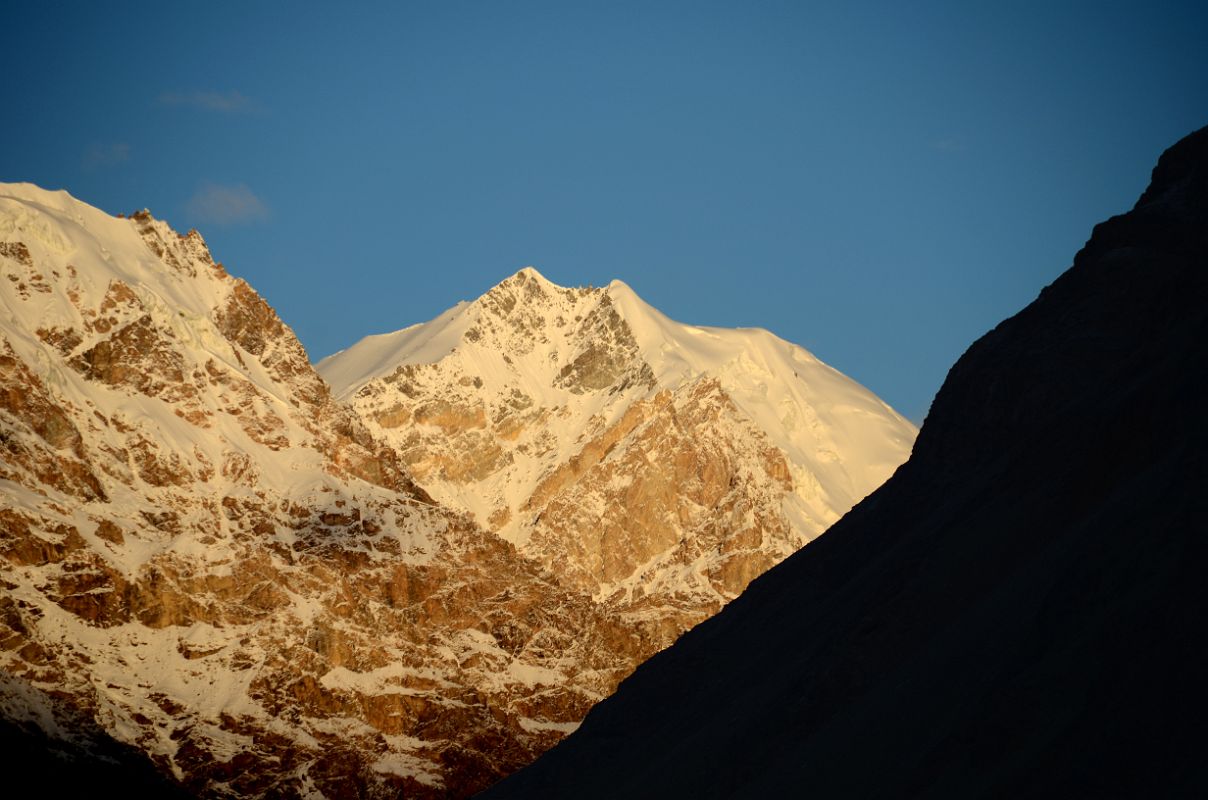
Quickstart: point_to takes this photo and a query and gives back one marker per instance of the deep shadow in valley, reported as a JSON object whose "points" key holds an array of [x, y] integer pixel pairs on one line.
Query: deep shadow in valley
{"points": [[1019, 611], [93, 762]]}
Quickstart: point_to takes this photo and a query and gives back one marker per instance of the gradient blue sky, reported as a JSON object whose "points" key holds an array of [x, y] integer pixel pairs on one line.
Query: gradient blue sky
{"points": [[879, 182]]}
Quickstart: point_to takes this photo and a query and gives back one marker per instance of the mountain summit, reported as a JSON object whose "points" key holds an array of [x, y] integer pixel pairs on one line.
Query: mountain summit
{"points": [[1018, 612], [222, 577], [654, 465]]}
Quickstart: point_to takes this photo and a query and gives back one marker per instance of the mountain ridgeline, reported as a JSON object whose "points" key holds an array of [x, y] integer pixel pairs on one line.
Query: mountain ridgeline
{"points": [[224, 577], [1018, 611], [655, 466]]}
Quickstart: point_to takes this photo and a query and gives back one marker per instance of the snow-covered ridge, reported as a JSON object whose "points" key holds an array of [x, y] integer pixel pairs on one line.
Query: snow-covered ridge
{"points": [[132, 298], [100, 246], [814, 415], [544, 324], [378, 355], [213, 558], [626, 451], [208, 558], [827, 424]]}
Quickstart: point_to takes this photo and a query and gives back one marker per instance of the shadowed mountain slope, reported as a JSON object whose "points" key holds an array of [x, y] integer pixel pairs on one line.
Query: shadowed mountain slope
{"points": [[1018, 611]]}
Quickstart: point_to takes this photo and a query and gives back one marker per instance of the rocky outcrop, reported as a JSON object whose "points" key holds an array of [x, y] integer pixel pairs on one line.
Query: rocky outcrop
{"points": [[655, 466], [669, 513], [42, 447], [1017, 612], [249, 322], [215, 567], [211, 565]]}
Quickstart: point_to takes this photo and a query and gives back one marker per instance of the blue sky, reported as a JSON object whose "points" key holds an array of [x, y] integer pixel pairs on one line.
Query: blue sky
{"points": [[881, 183]]}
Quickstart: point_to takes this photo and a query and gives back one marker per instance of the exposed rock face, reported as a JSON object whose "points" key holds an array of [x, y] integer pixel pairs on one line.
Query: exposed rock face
{"points": [[676, 519], [207, 560], [656, 466], [1017, 612], [212, 563]]}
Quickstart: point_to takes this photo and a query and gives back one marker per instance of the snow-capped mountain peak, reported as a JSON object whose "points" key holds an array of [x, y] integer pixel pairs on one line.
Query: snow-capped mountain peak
{"points": [[215, 560], [492, 400], [209, 560]]}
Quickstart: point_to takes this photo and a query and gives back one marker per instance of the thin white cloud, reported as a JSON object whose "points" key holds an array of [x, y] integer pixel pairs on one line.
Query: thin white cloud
{"points": [[226, 205], [99, 155], [232, 102]]}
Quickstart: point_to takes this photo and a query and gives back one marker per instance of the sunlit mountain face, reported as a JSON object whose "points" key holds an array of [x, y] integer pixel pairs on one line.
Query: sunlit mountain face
{"points": [[414, 569]]}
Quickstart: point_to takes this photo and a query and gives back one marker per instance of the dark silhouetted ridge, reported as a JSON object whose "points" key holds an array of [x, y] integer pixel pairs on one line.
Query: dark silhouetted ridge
{"points": [[1019, 611]]}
